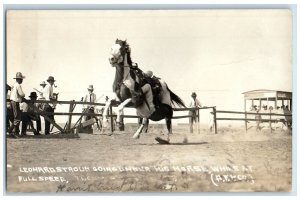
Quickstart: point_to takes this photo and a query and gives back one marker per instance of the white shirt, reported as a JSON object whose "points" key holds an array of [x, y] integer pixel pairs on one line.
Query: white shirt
{"points": [[90, 97], [16, 93], [48, 94], [194, 103]]}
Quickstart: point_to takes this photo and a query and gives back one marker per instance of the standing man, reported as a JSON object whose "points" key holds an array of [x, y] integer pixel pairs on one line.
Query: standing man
{"points": [[49, 107], [29, 114], [16, 97], [193, 103], [43, 85], [91, 98]]}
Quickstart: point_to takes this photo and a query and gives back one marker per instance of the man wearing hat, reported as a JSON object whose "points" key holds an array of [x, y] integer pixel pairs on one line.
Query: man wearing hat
{"points": [[193, 103], [29, 114], [90, 97], [41, 93], [49, 107], [16, 97]]}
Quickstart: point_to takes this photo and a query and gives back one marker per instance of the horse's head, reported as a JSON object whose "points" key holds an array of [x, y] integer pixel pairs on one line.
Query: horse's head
{"points": [[118, 51]]}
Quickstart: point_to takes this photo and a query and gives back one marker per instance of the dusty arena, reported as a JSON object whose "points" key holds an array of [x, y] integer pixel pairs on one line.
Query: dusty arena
{"points": [[231, 161]]}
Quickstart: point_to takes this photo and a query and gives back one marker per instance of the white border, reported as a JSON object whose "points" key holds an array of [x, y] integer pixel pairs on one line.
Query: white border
{"points": [[111, 2]]}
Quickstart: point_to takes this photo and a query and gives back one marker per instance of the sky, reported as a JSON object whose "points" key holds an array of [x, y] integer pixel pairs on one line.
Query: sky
{"points": [[219, 54]]}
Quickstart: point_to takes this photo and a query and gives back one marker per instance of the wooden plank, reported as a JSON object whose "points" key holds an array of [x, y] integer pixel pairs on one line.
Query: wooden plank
{"points": [[88, 122], [68, 102], [215, 119], [71, 108], [47, 118], [182, 116], [252, 113]]}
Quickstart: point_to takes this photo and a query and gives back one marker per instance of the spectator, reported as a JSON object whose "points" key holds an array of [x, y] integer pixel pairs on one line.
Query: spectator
{"points": [[49, 107], [16, 97], [90, 98], [193, 103], [30, 114]]}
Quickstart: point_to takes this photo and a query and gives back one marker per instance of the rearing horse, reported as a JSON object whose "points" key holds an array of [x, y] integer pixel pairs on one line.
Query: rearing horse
{"points": [[129, 82]]}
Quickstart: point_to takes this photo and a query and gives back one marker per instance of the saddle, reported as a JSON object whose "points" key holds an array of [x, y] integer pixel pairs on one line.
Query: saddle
{"points": [[153, 82]]}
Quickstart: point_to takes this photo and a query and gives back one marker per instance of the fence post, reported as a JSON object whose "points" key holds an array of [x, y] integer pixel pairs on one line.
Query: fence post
{"points": [[111, 119], [198, 121], [70, 116], [215, 119]]}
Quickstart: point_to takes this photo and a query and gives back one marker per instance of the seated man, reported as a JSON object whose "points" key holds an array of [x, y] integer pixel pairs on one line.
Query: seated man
{"points": [[29, 114]]}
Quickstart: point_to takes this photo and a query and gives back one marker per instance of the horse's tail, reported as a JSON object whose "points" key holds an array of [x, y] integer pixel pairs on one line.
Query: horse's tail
{"points": [[176, 99]]}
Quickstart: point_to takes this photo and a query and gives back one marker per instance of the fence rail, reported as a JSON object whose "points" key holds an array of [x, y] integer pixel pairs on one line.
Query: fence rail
{"points": [[72, 104], [110, 115], [259, 119]]}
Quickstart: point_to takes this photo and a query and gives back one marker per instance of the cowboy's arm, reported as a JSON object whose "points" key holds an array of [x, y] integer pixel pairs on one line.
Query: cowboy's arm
{"points": [[20, 91]]}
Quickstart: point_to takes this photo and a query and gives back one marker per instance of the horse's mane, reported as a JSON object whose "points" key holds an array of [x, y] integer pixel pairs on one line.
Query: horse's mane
{"points": [[125, 49]]}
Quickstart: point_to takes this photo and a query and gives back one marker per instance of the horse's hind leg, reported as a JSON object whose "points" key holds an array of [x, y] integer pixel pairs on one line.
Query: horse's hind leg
{"points": [[138, 132], [169, 125], [140, 121]]}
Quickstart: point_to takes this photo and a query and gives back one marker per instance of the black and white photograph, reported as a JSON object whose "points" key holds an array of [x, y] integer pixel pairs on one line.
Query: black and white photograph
{"points": [[157, 100]]}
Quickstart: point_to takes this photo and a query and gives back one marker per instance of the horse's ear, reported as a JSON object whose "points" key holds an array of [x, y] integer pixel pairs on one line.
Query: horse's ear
{"points": [[116, 40]]}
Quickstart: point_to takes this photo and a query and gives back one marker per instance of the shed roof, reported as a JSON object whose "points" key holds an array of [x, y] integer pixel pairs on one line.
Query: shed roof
{"points": [[265, 94]]}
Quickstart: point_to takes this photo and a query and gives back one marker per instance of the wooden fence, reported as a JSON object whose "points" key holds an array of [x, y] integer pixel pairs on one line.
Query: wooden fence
{"points": [[246, 118], [68, 128]]}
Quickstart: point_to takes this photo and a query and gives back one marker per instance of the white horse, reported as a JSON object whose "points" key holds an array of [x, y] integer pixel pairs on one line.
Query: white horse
{"points": [[130, 88]]}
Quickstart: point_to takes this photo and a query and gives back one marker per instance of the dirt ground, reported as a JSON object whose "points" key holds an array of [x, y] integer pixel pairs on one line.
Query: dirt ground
{"points": [[231, 161]]}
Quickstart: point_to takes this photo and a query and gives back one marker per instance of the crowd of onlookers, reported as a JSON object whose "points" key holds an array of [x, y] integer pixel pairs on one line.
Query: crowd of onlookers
{"points": [[20, 109]]}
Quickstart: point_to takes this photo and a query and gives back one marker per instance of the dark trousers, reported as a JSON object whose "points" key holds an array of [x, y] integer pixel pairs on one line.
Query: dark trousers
{"points": [[192, 120], [47, 124], [17, 117], [90, 111], [27, 118], [9, 117]]}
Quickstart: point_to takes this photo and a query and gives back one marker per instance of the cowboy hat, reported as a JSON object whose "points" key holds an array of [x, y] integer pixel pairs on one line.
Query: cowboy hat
{"points": [[90, 87], [194, 94], [33, 94], [19, 75], [51, 78], [43, 83]]}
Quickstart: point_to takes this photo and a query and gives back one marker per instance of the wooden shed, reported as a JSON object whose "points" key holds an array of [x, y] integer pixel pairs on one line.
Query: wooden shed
{"points": [[268, 98]]}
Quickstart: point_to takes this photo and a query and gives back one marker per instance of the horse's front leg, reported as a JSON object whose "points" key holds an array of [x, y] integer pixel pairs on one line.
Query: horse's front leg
{"points": [[120, 113], [138, 132], [104, 115]]}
